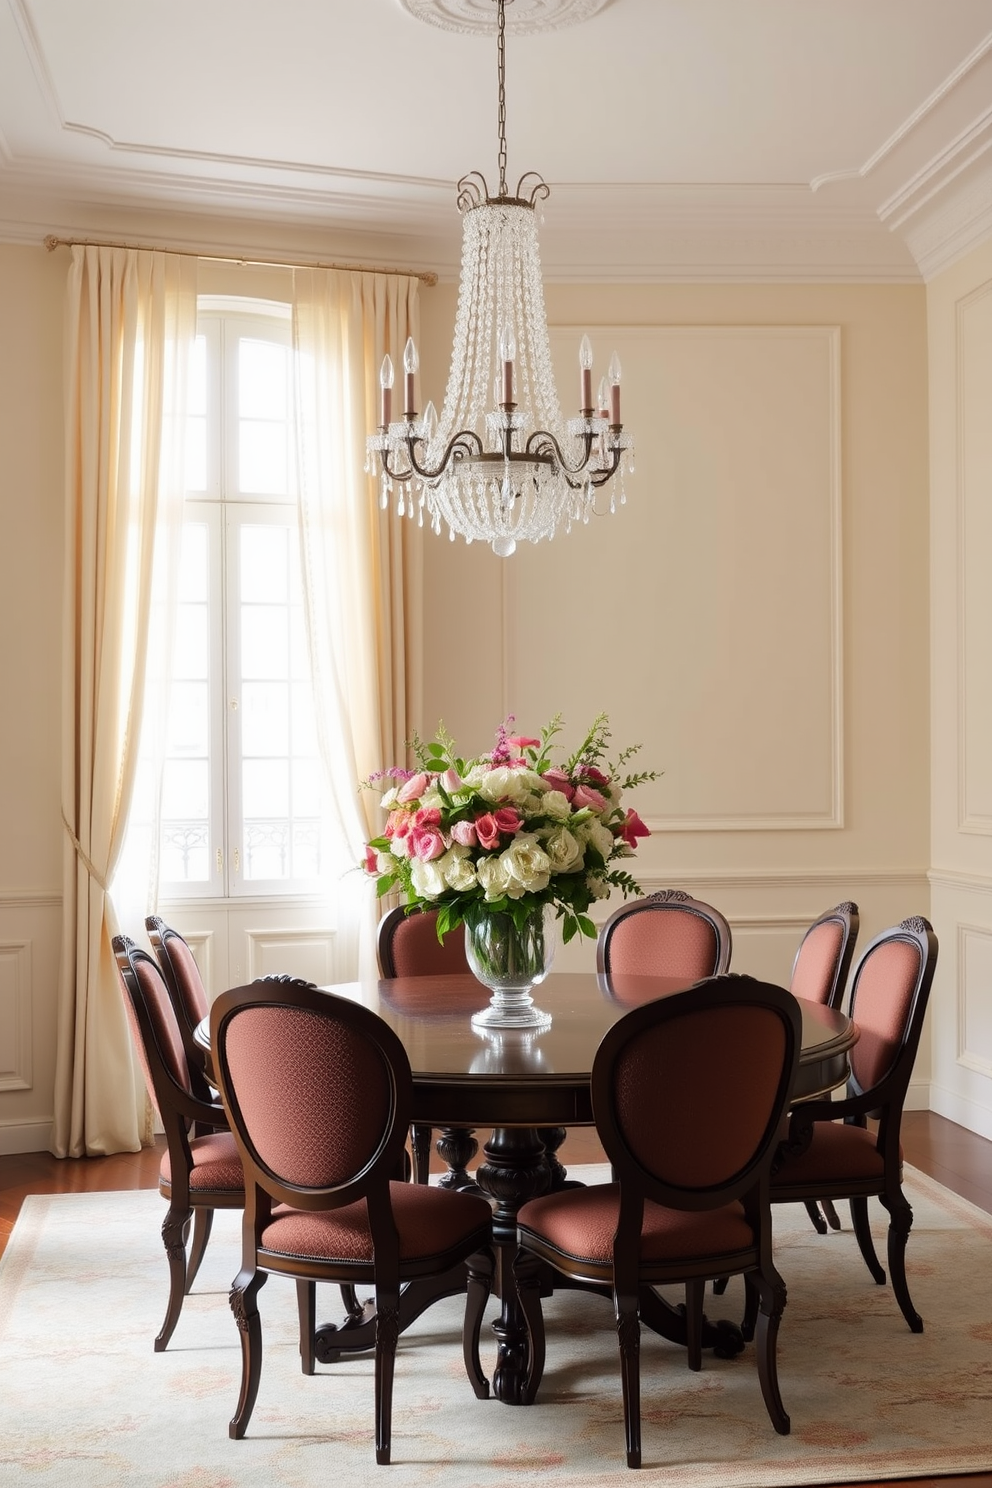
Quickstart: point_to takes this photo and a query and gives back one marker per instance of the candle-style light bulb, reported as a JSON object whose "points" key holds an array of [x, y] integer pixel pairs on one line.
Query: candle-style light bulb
{"points": [[603, 398], [585, 376], [507, 351], [430, 421], [613, 371], [386, 384], [411, 362]]}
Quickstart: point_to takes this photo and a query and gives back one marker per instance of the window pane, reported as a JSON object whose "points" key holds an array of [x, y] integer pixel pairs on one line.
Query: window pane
{"points": [[304, 722], [306, 788], [263, 459], [185, 792], [190, 651], [189, 730], [264, 564], [196, 423], [262, 379], [264, 718], [266, 788], [194, 582], [185, 852], [264, 641], [267, 850]]}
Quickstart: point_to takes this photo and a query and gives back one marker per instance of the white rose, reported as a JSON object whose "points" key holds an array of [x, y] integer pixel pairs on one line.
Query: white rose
{"points": [[504, 784], [527, 865], [555, 804], [432, 797], [457, 869], [598, 836], [427, 879], [565, 854], [493, 876], [384, 862]]}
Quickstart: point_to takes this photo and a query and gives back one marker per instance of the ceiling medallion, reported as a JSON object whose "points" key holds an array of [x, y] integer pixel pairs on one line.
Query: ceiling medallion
{"points": [[524, 17], [500, 464]]}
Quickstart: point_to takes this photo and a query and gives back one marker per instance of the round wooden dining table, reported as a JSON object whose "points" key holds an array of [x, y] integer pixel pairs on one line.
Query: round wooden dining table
{"points": [[525, 1089]]}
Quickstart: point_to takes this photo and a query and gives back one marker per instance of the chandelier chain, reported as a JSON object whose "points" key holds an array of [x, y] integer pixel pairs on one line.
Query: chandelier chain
{"points": [[501, 71]]}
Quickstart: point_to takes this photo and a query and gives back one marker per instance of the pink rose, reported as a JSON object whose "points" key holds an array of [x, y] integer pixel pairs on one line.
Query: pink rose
{"points": [[464, 833], [586, 796], [558, 780], [427, 816], [451, 780], [427, 843], [412, 789], [508, 819], [398, 823], [487, 831], [589, 772], [633, 828]]}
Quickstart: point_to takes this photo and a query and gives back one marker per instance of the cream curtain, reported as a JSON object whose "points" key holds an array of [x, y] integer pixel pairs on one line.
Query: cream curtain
{"points": [[361, 565], [130, 322]]}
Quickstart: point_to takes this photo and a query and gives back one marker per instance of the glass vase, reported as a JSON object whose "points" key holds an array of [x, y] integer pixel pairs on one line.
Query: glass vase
{"points": [[510, 960]]}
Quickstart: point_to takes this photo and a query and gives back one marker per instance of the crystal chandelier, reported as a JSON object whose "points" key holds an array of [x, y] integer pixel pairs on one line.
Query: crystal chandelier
{"points": [[500, 464]]}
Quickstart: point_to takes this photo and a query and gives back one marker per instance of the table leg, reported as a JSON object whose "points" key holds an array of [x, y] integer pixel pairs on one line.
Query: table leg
{"points": [[457, 1146], [515, 1170]]}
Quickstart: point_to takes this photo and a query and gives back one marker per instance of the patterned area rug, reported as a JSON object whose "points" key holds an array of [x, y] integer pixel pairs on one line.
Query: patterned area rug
{"points": [[85, 1403]]}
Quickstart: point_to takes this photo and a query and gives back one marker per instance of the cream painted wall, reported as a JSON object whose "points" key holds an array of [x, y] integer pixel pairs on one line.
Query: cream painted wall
{"points": [[960, 337], [482, 618], [31, 295], [722, 553]]}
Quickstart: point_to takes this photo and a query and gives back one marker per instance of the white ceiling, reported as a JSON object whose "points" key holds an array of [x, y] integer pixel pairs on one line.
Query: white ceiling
{"points": [[682, 139]]}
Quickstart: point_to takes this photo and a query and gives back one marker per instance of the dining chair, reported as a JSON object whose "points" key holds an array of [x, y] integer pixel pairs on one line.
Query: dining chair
{"points": [[200, 1169], [407, 946], [677, 1206], [189, 996], [319, 1092], [831, 1152], [819, 974], [667, 933]]}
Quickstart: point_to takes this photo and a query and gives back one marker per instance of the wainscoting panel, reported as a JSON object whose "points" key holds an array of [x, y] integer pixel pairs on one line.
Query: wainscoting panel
{"points": [[974, 466], [30, 938], [15, 1015], [961, 1016]]}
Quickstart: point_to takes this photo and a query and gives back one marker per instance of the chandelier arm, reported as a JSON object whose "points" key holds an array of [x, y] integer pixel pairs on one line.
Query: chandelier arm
{"points": [[541, 440], [459, 447]]}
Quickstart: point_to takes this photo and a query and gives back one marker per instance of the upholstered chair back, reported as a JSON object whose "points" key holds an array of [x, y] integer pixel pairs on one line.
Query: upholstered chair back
{"points": [[408, 946], [819, 973], [888, 1002], [665, 934], [689, 1091]]}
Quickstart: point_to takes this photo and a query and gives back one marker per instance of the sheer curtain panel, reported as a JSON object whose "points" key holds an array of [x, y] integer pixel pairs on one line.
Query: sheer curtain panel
{"points": [[361, 565], [130, 323]]}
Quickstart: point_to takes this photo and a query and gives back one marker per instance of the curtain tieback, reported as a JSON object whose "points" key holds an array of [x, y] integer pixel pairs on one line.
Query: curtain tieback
{"points": [[84, 858]]}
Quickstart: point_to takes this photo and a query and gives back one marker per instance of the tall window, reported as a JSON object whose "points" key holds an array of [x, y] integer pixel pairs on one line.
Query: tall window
{"points": [[242, 810]]}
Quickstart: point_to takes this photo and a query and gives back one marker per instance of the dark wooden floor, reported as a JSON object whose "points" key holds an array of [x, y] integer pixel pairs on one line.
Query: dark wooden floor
{"points": [[955, 1157]]}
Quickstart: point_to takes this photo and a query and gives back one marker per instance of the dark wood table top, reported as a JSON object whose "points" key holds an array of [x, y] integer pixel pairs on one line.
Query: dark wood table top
{"points": [[463, 1076]]}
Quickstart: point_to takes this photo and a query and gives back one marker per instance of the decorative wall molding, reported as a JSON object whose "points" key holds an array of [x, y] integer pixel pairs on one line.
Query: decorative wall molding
{"points": [[15, 1015], [950, 878], [309, 947], [972, 484], [972, 998]]}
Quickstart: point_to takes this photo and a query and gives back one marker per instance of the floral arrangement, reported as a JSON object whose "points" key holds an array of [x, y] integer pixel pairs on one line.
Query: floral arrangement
{"points": [[509, 830]]}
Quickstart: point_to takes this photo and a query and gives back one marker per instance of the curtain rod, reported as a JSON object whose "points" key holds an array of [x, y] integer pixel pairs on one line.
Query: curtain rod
{"points": [[426, 276]]}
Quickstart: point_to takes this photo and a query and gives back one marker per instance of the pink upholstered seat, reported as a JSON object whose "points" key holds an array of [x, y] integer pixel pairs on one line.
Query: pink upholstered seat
{"points": [[831, 1152], [689, 1092], [665, 934], [319, 1093], [200, 1170]]}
